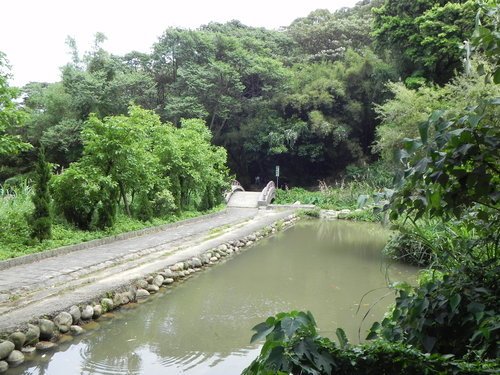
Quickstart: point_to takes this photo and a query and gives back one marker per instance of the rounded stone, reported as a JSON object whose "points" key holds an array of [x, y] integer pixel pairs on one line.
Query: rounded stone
{"points": [[97, 311], [15, 358], [87, 312], [6, 347], [214, 259], [47, 328], [168, 273], [142, 293], [141, 284], [32, 335], [196, 262], [18, 338], [152, 288], [120, 299], [75, 313], [158, 280], [130, 293], [44, 346], [249, 243], [107, 304], [4, 366], [222, 247], [178, 267], [149, 279], [76, 330], [63, 321], [168, 281]]}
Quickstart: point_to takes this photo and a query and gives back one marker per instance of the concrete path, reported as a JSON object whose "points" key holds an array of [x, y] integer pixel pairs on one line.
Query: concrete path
{"points": [[50, 285]]}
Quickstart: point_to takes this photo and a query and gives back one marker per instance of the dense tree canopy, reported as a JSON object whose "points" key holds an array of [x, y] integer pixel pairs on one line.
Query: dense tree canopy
{"points": [[303, 97], [425, 36]]}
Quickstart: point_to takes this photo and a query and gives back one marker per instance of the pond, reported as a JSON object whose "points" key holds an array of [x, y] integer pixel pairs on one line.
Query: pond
{"points": [[203, 325]]}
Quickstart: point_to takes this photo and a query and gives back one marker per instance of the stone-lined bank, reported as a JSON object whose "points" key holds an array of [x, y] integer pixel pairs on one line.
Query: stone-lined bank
{"points": [[44, 333]]}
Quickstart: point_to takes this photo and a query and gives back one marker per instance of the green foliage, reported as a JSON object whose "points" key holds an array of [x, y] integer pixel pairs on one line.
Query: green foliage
{"points": [[293, 346], [41, 219], [454, 173], [486, 35], [77, 193], [425, 37], [10, 115], [15, 206], [402, 115], [153, 168], [312, 213], [344, 194], [457, 314], [327, 36], [409, 248]]}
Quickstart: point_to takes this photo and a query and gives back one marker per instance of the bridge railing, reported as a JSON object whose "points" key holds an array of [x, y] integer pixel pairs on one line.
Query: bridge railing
{"points": [[235, 186], [267, 194]]}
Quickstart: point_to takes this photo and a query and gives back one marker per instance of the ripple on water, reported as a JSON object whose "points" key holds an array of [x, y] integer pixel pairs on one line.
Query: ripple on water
{"points": [[128, 363]]}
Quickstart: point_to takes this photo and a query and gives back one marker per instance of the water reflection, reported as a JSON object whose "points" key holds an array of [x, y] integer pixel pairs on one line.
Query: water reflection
{"points": [[203, 326]]}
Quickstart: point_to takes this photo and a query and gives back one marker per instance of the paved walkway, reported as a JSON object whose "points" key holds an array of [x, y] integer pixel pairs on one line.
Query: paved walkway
{"points": [[54, 284]]}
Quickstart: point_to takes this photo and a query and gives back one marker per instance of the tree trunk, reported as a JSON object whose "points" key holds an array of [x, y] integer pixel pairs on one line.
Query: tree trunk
{"points": [[124, 197]]}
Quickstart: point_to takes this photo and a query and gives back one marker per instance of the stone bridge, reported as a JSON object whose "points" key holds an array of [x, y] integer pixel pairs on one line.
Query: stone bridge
{"points": [[238, 197]]}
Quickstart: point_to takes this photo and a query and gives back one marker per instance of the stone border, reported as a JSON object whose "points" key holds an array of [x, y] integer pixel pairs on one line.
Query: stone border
{"points": [[30, 258], [42, 335]]}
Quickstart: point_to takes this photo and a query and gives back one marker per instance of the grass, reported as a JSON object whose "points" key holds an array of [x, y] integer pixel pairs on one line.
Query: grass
{"points": [[15, 241], [338, 197]]}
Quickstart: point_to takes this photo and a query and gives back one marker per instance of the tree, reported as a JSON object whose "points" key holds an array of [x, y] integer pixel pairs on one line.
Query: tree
{"points": [[10, 115], [401, 116], [325, 36], [41, 219], [119, 146], [486, 35], [425, 36]]}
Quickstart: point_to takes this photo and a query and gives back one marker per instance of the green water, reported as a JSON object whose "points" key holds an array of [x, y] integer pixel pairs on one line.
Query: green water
{"points": [[203, 326]]}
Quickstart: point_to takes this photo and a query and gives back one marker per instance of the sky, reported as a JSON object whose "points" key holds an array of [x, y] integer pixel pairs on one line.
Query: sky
{"points": [[33, 32]]}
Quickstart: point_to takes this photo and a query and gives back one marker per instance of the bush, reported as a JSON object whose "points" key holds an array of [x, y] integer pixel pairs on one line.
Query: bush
{"points": [[41, 219], [77, 193], [293, 346], [408, 248], [456, 314]]}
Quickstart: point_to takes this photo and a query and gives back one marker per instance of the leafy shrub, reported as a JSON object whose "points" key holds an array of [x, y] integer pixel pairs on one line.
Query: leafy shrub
{"points": [[41, 219], [408, 248], [314, 213], [293, 346], [458, 314], [77, 193], [143, 209], [15, 206], [163, 203]]}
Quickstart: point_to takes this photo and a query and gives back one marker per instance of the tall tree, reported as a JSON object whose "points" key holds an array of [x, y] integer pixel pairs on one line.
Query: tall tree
{"points": [[425, 36], [41, 219], [10, 115]]}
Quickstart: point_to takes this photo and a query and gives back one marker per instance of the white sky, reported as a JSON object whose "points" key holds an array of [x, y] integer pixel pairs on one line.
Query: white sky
{"points": [[33, 32]]}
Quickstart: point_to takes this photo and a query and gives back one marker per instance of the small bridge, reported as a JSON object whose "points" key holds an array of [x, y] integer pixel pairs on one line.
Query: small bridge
{"points": [[238, 197]]}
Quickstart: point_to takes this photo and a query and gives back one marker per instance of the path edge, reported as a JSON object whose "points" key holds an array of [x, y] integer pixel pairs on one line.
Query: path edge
{"points": [[35, 257]]}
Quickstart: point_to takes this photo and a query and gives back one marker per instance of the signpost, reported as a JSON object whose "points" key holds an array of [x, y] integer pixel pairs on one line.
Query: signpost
{"points": [[277, 175]]}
